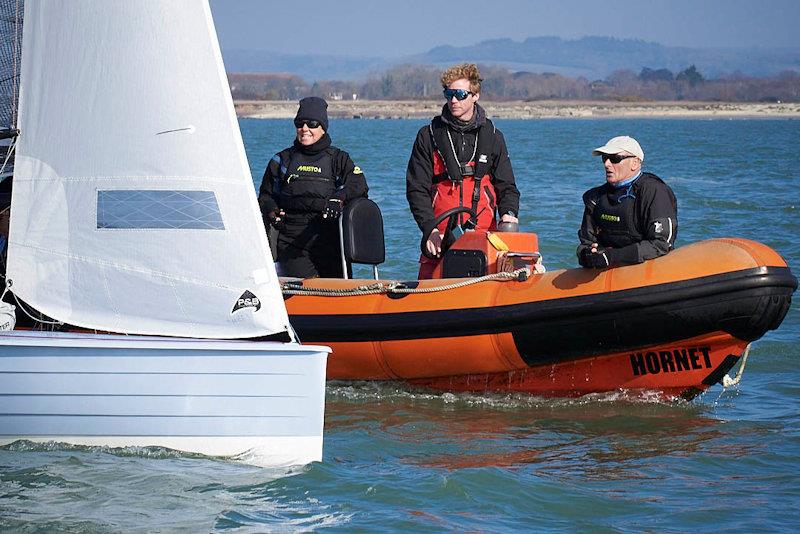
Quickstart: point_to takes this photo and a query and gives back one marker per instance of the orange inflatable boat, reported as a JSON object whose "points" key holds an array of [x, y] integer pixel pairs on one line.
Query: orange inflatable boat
{"points": [[675, 325]]}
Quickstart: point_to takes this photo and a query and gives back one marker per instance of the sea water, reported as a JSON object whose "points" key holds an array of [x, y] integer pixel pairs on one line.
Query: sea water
{"points": [[406, 460]]}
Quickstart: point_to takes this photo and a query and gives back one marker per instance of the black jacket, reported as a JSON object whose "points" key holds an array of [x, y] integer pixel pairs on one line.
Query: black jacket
{"points": [[633, 223], [325, 172], [419, 175]]}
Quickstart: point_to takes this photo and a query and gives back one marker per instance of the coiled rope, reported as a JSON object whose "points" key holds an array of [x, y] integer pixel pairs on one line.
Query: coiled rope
{"points": [[727, 381], [395, 287]]}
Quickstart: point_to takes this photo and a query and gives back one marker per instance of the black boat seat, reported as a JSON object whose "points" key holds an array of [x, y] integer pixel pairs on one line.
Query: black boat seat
{"points": [[362, 238]]}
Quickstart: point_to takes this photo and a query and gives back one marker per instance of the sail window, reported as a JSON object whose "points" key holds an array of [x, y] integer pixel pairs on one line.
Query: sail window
{"points": [[158, 209]]}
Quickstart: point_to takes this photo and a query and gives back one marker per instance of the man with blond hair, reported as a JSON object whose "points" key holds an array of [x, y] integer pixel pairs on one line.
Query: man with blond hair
{"points": [[459, 160], [632, 217]]}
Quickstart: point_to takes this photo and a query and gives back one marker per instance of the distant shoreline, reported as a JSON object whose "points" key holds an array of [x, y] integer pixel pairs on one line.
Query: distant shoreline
{"points": [[543, 109]]}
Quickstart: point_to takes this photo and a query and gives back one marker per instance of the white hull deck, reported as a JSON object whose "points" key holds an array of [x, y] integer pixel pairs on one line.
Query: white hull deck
{"points": [[259, 402]]}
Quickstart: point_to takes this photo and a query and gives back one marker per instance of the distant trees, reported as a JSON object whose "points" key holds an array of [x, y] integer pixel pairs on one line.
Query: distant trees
{"points": [[656, 75], [267, 86], [404, 81], [416, 82], [690, 76]]}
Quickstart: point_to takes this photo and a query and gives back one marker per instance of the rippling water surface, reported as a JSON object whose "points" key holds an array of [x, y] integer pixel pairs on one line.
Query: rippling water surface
{"points": [[397, 459]]}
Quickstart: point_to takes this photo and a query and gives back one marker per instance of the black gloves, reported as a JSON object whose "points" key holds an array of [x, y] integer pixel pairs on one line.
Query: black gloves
{"points": [[594, 260], [276, 218], [333, 209]]}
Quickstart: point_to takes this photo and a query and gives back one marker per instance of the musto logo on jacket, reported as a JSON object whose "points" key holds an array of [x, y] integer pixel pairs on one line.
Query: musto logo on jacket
{"points": [[309, 168]]}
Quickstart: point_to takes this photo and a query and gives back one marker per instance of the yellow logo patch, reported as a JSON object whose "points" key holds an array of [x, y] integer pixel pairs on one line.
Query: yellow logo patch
{"points": [[357, 170], [308, 168]]}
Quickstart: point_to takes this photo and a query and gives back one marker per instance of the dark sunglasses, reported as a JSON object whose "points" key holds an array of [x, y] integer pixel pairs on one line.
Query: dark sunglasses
{"points": [[615, 158], [299, 123], [460, 94]]}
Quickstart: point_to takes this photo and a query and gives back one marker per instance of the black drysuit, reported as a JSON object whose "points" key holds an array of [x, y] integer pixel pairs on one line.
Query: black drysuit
{"points": [[632, 223], [301, 180]]}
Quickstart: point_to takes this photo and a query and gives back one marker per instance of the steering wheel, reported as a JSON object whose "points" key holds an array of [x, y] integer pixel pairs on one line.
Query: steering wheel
{"points": [[451, 216]]}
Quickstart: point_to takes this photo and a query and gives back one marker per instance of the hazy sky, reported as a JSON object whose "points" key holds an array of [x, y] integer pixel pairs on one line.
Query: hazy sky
{"points": [[402, 27]]}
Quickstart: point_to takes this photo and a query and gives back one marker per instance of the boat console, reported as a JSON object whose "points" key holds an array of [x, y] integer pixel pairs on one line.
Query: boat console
{"points": [[480, 252]]}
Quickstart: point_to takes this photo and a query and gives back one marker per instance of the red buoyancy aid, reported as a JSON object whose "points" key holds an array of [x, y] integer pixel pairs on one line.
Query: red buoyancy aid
{"points": [[448, 194]]}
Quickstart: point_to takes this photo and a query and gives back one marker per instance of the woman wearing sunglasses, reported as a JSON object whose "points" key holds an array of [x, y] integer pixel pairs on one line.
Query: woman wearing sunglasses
{"points": [[631, 218], [303, 192], [459, 160]]}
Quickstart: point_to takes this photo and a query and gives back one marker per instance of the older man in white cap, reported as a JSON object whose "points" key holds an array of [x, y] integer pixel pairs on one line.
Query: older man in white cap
{"points": [[631, 218]]}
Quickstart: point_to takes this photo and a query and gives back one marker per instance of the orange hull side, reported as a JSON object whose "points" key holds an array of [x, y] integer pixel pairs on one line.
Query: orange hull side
{"points": [[648, 369], [410, 359], [496, 366]]}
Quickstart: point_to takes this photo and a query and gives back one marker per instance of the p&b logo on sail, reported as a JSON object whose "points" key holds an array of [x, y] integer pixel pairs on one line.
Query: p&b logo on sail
{"points": [[247, 300]]}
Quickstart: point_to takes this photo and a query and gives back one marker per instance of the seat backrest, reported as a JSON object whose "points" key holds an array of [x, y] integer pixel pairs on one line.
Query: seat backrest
{"points": [[362, 228]]}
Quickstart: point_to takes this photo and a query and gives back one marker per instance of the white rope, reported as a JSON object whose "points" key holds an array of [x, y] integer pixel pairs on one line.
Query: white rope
{"points": [[37, 319], [395, 287], [24, 309], [727, 381]]}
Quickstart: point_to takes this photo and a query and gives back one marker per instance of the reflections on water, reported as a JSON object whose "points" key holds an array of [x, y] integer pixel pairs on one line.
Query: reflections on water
{"points": [[599, 436]]}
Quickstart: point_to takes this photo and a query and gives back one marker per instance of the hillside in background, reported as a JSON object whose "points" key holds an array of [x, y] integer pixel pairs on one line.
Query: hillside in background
{"points": [[590, 57], [597, 57]]}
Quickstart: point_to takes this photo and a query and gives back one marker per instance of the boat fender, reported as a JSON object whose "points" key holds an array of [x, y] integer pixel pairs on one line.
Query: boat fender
{"points": [[496, 242], [8, 317]]}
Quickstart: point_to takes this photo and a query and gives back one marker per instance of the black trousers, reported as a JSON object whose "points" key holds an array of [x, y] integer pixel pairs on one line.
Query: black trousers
{"points": [[309, 248]]}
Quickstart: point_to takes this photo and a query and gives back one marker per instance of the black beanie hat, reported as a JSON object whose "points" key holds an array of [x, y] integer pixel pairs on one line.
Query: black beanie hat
{"points": [[314, 108]]}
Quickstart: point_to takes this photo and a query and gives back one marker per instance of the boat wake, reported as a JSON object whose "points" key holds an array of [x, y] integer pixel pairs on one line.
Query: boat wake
{"points": [[398, 391], [153, 453], [251, 458]]}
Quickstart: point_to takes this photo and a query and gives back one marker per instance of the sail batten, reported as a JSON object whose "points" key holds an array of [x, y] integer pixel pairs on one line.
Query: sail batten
{"points": [[139, 212]]}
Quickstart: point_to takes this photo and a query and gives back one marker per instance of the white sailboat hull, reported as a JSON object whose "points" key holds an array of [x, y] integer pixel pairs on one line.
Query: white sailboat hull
{"points": [[260, 402]]}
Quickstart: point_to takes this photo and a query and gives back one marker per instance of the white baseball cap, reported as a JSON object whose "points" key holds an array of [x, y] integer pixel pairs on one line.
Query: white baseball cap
{"points": [[616, 145]]}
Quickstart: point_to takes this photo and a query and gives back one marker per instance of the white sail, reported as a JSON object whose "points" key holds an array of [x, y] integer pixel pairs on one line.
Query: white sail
{"points": [[133, 207]]}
